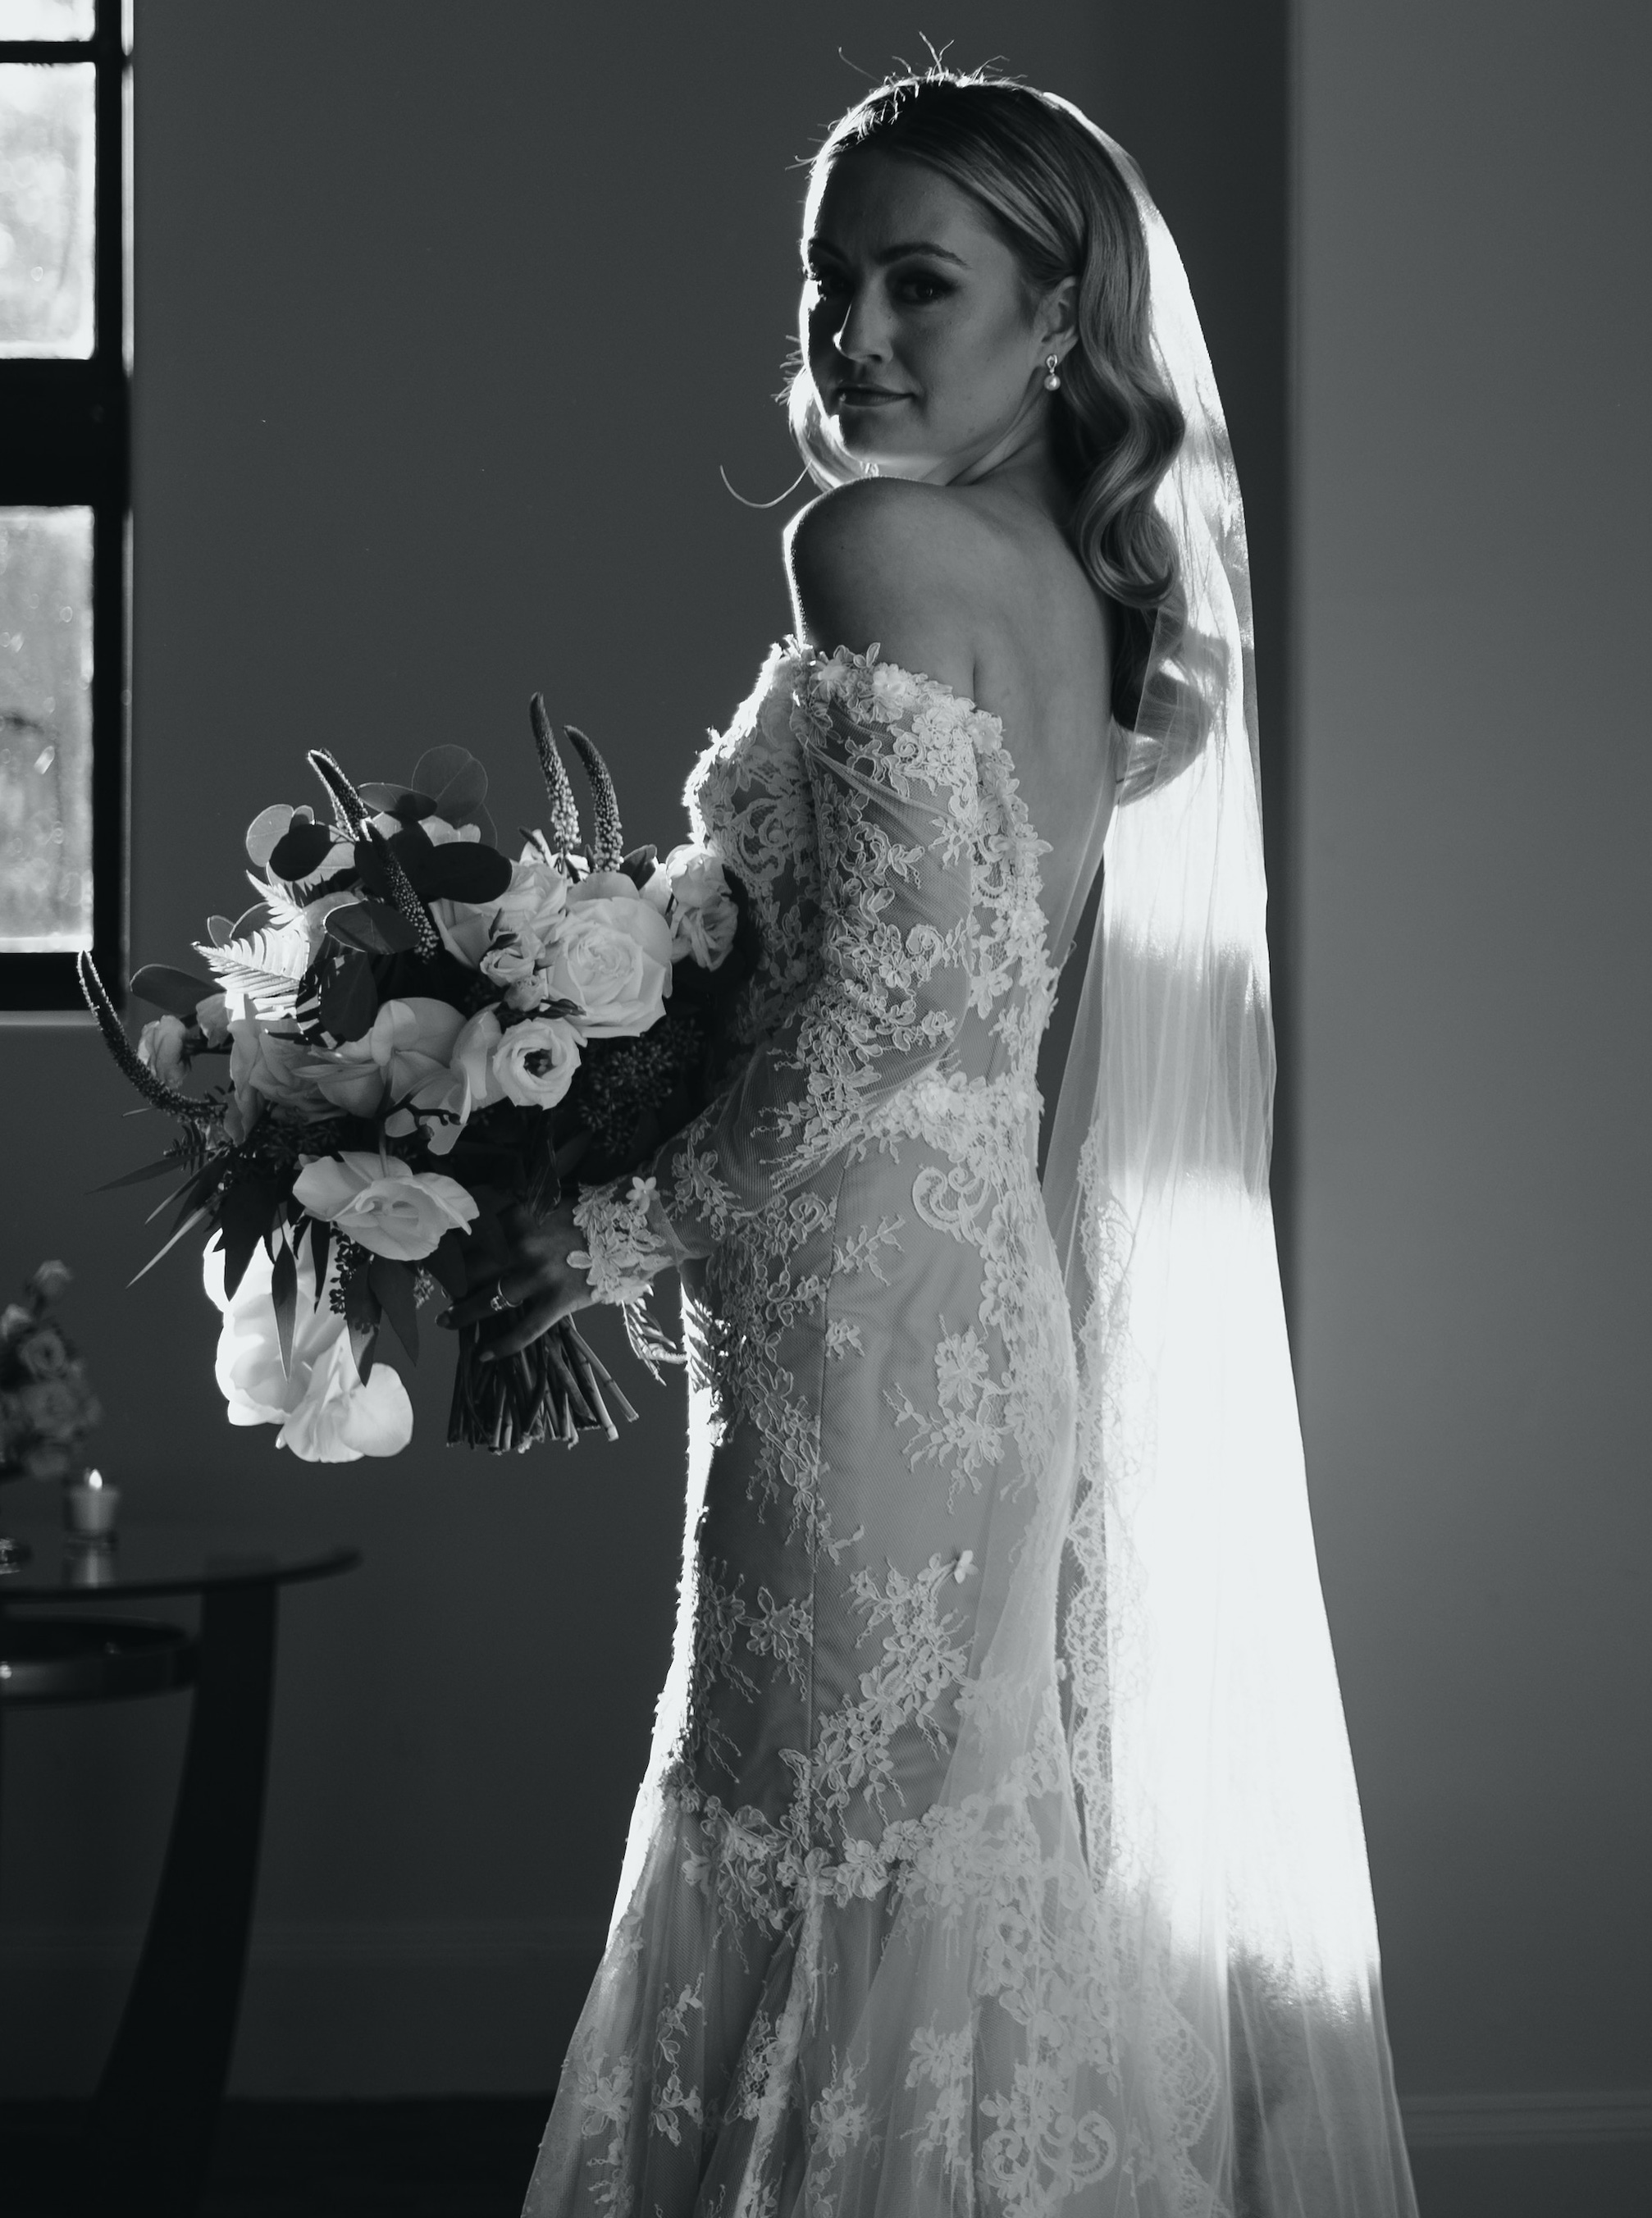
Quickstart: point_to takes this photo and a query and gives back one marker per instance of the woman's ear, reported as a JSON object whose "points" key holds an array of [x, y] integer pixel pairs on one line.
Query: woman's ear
{"points": [[1057, 317]]}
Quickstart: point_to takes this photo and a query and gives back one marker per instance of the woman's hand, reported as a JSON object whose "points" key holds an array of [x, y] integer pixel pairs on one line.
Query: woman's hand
{"points": [[536, 1288]]}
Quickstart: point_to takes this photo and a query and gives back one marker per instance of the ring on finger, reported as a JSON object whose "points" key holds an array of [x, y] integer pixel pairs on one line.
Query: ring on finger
{"points": [[501, 1301]]}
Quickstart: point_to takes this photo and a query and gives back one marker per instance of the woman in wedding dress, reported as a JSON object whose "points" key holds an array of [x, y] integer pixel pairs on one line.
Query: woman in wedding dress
{"points": [[998, 1851]]}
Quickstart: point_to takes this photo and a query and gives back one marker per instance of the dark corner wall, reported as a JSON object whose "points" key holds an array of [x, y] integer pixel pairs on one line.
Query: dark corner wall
{"points": [[446, 320]]}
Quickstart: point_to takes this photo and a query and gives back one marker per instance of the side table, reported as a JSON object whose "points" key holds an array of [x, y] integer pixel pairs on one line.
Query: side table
{"points": [[149, 2137]]}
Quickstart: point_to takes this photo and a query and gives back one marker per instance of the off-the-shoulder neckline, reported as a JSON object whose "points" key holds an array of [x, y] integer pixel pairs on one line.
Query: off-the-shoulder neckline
{"points": [[797, 650]]}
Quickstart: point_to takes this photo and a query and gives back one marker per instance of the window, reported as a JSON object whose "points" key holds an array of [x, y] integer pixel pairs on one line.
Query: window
{"points": [[65, 361]]}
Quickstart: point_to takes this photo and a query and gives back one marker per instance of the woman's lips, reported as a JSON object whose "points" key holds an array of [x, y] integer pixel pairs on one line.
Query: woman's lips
{"points": [[868, 396]]}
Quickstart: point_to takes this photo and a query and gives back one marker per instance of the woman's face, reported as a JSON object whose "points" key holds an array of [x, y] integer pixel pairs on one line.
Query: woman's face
{"points": [[925, 350]]}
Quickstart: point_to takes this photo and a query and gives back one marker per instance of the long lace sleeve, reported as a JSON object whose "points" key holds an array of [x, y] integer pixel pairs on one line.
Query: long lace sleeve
{"points": [[893, 776]]}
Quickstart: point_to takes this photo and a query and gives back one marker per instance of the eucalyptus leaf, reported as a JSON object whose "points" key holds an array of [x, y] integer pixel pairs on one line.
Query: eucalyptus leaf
{"points": [[301, 850], [176, 991], [268, 827], [373, 926]]}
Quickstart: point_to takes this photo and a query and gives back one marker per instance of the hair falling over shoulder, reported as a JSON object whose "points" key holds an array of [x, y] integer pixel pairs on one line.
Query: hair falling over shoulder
{"points": [[1043, 172]]}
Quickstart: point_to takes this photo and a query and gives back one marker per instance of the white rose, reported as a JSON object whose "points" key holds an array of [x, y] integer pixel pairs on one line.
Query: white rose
{"points": [[265, 1067], [403, 1059], [704, 919], [383, 1203], [160, 1047], [212, 1016], [533, 1063], [524, 915], [325, 1414], [611, 958]]}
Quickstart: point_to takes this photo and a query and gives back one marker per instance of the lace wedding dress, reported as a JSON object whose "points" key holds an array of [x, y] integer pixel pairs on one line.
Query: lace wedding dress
{"points": [[864, 1959], [999, 1853]]}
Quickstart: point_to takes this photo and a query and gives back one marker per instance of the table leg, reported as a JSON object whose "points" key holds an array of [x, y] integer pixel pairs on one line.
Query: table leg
{"points": [[156, 2109]]}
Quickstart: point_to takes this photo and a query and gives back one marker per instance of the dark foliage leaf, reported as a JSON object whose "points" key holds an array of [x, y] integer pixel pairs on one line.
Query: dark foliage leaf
{"points": [[283, 1294], [446, 1265], [638, 864], [301, 849], [439, 977], [250, 1207], [362, 1311], [320, 1241], [220, 930], [374, 927], [349, 999], [166, 1166], [393, 1284], [463, 870], [175, 991]]}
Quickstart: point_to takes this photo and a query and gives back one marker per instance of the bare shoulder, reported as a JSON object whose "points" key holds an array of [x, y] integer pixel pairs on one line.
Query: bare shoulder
{"points": [[913, 568]]}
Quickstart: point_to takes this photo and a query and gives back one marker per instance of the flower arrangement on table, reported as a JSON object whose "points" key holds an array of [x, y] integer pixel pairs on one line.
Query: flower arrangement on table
{"points": [[421, 1036], [48, 1407]]}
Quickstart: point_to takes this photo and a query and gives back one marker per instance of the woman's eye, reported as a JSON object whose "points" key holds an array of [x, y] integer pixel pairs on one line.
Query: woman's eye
{"points": [[826, 281], [920, 287]]}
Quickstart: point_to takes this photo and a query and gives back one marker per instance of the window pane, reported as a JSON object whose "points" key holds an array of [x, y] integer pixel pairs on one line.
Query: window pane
{"points": [[46, 728], [45, 208], [45, 19]]}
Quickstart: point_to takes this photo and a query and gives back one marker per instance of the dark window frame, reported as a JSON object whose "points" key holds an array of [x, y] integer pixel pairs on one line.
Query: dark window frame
{"points": [[65, 441]]}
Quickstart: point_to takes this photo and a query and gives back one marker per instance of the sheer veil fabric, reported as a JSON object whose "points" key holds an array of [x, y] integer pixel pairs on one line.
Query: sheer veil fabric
{"points": [[999, 1854], [1204, 1721]]}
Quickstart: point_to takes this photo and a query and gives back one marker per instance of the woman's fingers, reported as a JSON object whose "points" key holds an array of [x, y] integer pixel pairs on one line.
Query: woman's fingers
{"points": [[524, 1327], [507, 1292]]}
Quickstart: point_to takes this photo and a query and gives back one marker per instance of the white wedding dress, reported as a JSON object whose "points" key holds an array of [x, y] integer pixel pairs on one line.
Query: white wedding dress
{"points": [[862, 1960], [999, 1854]]}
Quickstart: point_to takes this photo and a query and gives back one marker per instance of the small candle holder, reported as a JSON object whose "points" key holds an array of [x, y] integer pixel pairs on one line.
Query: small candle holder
{"points": [[89, 1505]]}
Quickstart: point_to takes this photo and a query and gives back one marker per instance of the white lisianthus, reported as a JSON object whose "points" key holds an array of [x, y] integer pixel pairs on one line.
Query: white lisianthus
{"points": [[383, 1204], [324, 1412], [472, 1063], [533, 1063], [704, 919], [160, 1048], [611, 958], [404, 1057]]}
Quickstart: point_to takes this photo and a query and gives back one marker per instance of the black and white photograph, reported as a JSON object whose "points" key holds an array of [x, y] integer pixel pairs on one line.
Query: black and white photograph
{"points": [[824, 1054]]}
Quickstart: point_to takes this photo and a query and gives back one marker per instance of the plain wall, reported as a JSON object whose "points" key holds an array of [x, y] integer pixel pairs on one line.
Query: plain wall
{"points": [[1474, 784], [446, 318]]}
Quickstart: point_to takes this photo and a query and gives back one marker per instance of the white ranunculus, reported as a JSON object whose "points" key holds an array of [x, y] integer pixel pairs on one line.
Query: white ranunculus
{"points": [[404, 1057], [703, 917], [383, 1203], [160, 1047], [524, 915], [212, 1016], [533, 1063], [324, 1412], [612, 958]]}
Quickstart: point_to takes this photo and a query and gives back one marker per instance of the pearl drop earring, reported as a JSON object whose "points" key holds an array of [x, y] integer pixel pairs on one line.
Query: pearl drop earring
{"points": [[1052, 375]]}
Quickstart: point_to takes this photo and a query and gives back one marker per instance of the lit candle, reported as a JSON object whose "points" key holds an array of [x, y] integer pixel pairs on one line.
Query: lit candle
{"points": [[89, 1505]]}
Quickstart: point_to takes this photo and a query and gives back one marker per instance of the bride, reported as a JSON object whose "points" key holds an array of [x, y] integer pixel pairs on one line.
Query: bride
{"points": [[998, 1851]]}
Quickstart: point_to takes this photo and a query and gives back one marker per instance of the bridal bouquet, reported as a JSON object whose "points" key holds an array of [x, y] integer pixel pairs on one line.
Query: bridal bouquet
{"points": [[422, 1034]]}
